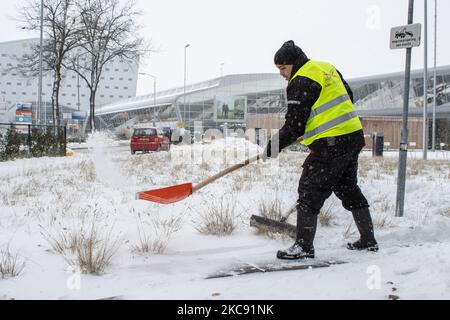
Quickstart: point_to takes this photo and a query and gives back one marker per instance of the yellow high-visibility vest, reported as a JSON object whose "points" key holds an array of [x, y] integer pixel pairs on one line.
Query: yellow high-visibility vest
{"points": [[333, 114]]}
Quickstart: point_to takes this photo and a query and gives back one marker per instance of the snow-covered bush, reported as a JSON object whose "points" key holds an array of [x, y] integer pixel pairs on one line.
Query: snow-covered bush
{"points": [[157, 241], [85, 239], [271, 209], [326, 215], [219, 219], [10, 264], [95, 249]]}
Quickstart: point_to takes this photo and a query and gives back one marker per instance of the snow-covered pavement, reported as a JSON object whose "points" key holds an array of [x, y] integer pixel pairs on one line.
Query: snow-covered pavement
{"points": [[50, 198]]}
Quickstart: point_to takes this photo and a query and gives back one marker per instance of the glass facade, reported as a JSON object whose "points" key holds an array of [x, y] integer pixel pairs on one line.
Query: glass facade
{"points": [[234, 99], [229, 99]]}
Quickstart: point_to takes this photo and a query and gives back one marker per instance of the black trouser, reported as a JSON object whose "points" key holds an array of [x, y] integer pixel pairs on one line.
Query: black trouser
{"points": [[329, 171]]}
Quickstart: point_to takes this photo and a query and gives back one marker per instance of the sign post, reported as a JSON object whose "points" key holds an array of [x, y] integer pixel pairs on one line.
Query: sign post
{"points": [[404, 37]]}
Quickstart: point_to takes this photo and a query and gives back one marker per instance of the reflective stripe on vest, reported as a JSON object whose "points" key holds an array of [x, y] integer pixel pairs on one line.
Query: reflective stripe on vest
{"points": [[333, 113], [330, 124], [329, 105]]}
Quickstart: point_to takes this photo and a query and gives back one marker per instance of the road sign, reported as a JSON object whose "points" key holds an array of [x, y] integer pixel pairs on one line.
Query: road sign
{"points": [[408, 36]]}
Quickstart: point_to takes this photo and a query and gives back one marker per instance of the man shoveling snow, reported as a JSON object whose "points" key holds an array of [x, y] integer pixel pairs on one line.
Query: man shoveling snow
{"points": [[320, 109]]}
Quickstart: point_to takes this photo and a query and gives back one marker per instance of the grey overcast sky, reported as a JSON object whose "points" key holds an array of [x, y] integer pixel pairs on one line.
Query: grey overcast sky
{"points": [[244, 35]]}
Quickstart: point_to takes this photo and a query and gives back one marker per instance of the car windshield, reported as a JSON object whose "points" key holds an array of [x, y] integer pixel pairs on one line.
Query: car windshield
{"points": [[144, 132]]}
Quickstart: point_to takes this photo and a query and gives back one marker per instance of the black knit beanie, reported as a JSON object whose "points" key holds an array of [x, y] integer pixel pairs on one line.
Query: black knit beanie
{"points": [[288, 53]]}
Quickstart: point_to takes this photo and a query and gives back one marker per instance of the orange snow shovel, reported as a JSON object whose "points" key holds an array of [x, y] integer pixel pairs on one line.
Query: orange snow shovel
{"points": [[182, 191]]}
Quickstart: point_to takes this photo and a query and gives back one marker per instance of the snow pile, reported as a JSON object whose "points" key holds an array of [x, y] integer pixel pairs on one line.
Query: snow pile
{"points": [[61, 196]]}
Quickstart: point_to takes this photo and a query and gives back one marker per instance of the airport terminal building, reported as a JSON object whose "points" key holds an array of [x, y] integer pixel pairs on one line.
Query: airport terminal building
{"points": [[259, 101]]}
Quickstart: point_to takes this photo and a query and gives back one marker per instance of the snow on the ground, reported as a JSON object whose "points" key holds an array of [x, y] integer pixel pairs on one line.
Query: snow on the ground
{"points": [[46, 197]]}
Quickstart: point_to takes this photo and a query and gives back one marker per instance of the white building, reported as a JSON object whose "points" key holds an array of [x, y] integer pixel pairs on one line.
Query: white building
{"points": [[119, 81]]}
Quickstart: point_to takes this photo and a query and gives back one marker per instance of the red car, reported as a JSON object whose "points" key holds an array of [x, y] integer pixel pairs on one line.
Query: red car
{"points": [[149, 139]]}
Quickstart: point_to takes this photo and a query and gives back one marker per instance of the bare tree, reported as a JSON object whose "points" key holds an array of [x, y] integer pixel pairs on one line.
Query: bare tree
{"points": [[60, 37], [109, 30]]}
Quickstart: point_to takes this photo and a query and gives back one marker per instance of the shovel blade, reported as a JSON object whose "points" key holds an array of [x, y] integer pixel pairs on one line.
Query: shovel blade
{"points": [[167, 195]]}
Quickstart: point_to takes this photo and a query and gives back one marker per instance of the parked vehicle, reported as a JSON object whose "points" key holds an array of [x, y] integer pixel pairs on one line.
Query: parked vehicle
{"points": [[167, 131], [148, 139], [442, 94]]}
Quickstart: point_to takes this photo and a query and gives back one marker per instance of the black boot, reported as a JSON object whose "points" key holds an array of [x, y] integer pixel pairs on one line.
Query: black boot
{"points": [[364, 224], [303, 247]]}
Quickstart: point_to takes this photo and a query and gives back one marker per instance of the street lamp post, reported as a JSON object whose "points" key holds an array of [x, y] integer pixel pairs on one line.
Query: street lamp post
{"points": [[154, 92], [433, 138], [40, 63], [78, 84], [425, 84], [184, 87], [221, 69]]}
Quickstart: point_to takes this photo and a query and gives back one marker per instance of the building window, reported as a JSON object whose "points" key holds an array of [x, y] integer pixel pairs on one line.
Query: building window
{"points": [[107, 69], [73, 77], [102, 78], [14, 74], [121, 97], [130, 79], [102, 96], [125, 88], [69, 86], [111, 96], [49, 84], [117, 70], [125, 70], [106, 87], [9, 65], [19, 83], [111, 78], [3, 55], [13, 93], [121, 79], [63, 94], [69, 104], [74, 95], [3, 74], [24, 93], [83, 95], [8, 83], [3, 92], [116, 87]]}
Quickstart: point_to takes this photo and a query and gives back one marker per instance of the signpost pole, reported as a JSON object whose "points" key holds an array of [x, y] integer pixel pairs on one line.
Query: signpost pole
{"points": [[401, 181]]}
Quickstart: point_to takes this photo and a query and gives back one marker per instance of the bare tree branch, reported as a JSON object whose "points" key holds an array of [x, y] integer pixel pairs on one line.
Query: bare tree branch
{"points": [[61, 27], [82, 36], [108, 30]]}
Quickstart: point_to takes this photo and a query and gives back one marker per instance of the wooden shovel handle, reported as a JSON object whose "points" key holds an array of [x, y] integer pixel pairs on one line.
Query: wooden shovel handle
{"points": [[224, 172]]}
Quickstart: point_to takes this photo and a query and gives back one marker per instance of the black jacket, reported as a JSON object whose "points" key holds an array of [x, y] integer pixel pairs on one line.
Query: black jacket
{"points": [[302, 94]]}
